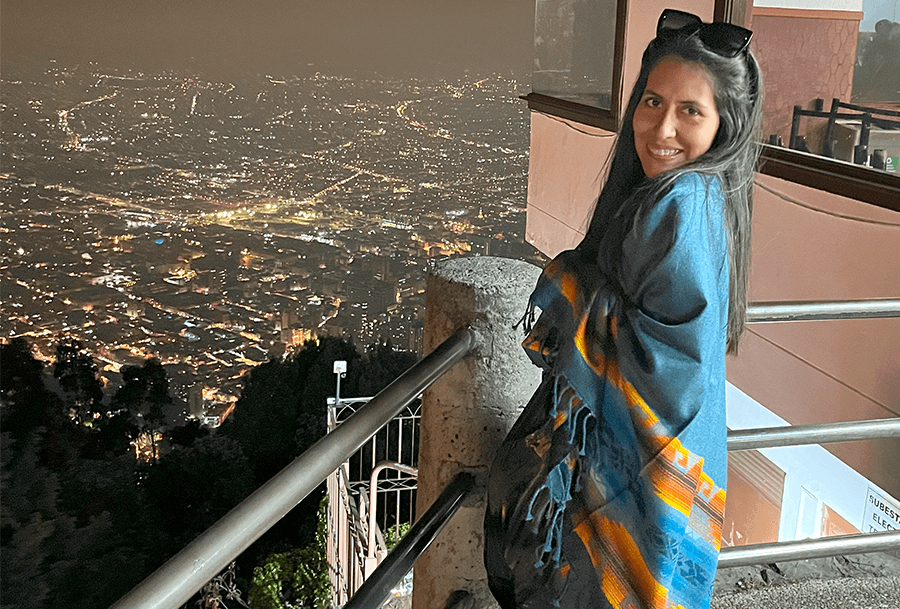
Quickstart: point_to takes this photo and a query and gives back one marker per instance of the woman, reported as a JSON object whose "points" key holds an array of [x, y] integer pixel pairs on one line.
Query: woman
{"points": [[610, 488]]}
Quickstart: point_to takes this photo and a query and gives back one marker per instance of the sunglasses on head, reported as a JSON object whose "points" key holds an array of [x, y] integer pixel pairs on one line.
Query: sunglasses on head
{"points": [[723, 39]]}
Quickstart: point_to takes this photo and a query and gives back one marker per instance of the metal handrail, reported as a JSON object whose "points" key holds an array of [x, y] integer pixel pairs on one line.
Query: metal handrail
{"points": [[765, 553], [821, 433], [181, 576], [378, 586], [373, 495], [814, 310]]}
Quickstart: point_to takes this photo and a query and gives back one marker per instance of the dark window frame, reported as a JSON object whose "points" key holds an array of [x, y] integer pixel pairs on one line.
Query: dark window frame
{"points": [[857, 182]]}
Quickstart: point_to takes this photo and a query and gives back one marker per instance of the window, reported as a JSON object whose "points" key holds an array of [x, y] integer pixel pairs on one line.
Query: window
{"points": [[831, 118], [574, 50], [577, 60]]}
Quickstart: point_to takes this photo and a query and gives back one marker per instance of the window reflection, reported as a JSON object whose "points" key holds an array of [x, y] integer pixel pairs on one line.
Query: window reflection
{"points": [[832, 78], [574, 42], [877, 74]]}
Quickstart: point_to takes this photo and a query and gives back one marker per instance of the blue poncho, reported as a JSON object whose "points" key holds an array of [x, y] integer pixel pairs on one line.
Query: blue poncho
{"points": [[610, 488]]}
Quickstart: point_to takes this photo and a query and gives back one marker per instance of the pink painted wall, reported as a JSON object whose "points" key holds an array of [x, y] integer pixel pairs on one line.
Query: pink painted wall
{"points": [[812, 245], [564, 180]]}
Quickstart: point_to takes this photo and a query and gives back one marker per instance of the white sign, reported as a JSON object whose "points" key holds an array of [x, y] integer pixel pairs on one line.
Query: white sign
{"points": [[882, 512]]}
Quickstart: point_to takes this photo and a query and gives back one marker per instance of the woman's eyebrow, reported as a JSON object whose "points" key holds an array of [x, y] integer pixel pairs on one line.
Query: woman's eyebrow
{"points": [[680, 102], [693, 102]]}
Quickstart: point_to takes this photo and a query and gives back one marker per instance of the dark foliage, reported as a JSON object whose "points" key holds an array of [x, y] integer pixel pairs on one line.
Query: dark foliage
{"points": [[77, 375], [193, 487], [282, 408], [83, 521]]}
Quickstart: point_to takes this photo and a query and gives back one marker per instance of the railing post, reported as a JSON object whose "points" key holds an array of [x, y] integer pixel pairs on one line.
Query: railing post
{"points": [[467, 413]]}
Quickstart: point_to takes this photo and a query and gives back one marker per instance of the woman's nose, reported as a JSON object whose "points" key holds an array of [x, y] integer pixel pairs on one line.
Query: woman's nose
{"points": [[666, 126]]}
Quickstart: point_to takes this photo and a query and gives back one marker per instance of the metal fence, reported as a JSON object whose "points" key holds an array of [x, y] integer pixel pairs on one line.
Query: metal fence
{"points": [[355, 546]]}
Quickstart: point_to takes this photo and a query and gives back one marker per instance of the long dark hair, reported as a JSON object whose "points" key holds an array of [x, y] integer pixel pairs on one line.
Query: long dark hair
{"points": [[737, 88]]}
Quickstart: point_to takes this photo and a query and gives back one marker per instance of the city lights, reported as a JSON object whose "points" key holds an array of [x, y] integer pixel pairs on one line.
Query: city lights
{"points": [[215, 225]]}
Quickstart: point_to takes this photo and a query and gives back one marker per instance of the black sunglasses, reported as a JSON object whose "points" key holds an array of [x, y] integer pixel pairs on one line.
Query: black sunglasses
{"points": [[723, 39]]}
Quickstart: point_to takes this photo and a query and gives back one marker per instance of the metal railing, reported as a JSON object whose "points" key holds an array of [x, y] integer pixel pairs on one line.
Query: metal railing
{"points": [[358, 509], [185, 573], [373, 497], [346, 540], [375, 589], [823, 433], [798, 435], [815, 310], [801, 549]]}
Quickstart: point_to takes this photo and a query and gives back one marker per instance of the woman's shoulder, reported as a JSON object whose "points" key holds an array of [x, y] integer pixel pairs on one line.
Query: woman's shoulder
{"points": [[696, 184], [685, 209], [689, 193]]}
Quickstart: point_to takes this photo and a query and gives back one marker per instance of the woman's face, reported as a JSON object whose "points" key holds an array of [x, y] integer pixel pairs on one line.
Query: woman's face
{"points": [[676, 119]]}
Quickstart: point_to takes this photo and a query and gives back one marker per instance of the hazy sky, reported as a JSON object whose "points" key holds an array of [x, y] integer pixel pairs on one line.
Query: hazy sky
{"points": [[270, 36]]}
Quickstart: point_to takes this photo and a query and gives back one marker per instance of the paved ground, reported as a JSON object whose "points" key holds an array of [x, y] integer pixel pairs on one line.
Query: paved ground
{"points": [[871, 581], [868, 592], [864, 581]]}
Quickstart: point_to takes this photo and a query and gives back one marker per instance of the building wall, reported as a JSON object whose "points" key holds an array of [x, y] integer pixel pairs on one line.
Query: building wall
{"points": [[812, 245], [564, 180]]}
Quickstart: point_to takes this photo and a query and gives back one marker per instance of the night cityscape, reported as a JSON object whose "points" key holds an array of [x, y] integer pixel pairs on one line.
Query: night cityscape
{"points": [[204, 206], [217, 225]]}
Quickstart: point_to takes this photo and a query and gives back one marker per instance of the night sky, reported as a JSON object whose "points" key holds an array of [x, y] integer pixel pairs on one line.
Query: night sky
{"points": [[279, 37]]}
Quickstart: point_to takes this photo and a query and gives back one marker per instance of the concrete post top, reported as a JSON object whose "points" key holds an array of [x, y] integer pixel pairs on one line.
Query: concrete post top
{"points": [[488, 273]]}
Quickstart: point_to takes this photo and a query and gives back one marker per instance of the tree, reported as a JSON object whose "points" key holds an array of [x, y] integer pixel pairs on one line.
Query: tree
{"points": [[23, 396], [145, 394], [281, 412], [28, 517], [194, 486], [381, 366], [282, 408], [112, 435], [76, 539], [77, 375], [26, 405], [185, 435]]}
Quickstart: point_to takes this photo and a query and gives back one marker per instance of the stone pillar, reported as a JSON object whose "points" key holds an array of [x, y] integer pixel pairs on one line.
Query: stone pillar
{"points": [[467, 413]]}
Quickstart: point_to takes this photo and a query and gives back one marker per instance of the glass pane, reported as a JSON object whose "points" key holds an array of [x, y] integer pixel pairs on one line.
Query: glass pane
{"points": [[808, 516], [832, 80], [573, 50], [876, 77]]}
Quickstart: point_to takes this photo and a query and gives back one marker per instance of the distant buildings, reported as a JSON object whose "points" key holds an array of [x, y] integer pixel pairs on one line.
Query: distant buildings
{"points": [[218, 225]]}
